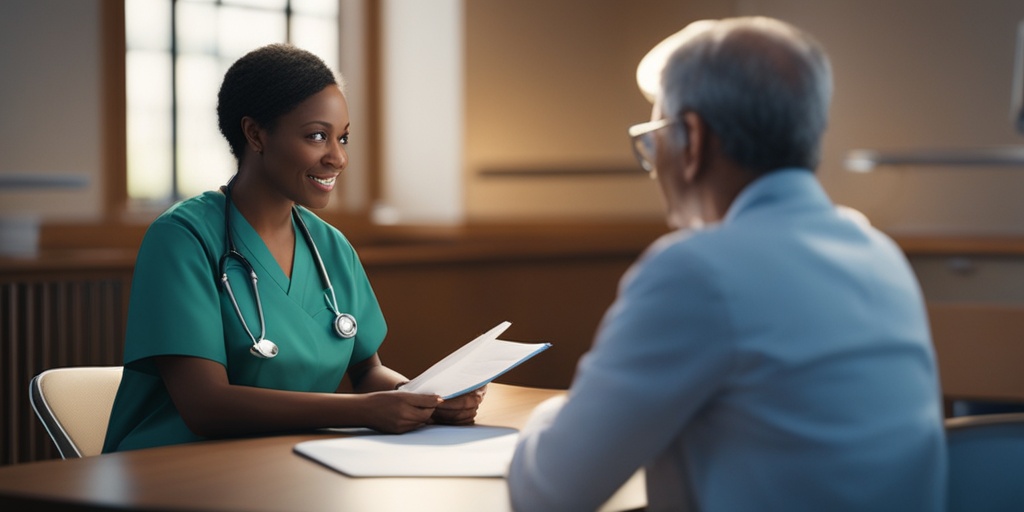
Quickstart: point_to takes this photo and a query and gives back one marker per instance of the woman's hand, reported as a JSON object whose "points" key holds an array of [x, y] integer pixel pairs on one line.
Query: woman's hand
{"points": [[460, 410], [397, 412]]}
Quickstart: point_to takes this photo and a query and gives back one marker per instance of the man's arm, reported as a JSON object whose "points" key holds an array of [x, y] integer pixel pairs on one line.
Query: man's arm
{"points": [[661, 352]]}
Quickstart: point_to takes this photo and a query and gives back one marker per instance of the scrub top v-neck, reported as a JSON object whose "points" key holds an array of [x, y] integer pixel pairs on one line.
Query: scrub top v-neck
{"points": [[178, 307]]}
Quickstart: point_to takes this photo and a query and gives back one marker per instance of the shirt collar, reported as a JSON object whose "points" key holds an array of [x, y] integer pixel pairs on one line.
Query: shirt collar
{"points": [[788, 184]]}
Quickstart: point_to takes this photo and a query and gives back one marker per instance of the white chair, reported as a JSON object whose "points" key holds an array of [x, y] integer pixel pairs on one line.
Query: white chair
{"points": [[986, 462], [74, 406]]}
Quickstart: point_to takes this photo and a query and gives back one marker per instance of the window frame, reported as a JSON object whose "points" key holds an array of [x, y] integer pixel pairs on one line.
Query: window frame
{"points": [[123, 225]]}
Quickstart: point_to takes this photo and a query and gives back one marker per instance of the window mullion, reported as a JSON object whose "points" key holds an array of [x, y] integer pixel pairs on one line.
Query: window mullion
{"points": [[175, 188]]}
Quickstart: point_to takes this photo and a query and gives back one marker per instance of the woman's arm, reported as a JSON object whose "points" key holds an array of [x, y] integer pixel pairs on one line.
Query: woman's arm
{"points": [[213, 407], [371, 375]]}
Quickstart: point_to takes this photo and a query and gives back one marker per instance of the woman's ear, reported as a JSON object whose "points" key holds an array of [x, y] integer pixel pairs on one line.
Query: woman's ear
{"points": [[253, 134]]}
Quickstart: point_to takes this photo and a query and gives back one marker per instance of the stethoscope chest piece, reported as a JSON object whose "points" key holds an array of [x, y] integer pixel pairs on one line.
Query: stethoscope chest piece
{"points": [[263, 349], [345, 325]]}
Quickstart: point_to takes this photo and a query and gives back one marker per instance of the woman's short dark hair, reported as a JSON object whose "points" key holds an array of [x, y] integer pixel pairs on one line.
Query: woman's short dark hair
{"points": [[265, 84]]}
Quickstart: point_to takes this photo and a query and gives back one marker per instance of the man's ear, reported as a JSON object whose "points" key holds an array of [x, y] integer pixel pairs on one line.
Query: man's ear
{"points": [[253, 134], [695, 150]]}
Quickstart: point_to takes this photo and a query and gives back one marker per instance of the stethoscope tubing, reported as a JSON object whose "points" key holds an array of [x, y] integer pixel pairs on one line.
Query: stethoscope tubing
{"points": [[237, 256], [345, 325]]}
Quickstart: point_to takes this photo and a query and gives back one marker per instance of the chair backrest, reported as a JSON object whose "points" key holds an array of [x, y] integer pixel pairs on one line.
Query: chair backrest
{"points": [[74, 406], [986, 462]]}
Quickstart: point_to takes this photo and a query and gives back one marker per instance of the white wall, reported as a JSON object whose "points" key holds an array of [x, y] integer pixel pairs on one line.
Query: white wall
{"points": [[918, 74], [352, 36], [550, 86], [422, 81], [50, 117], [910, 74]]}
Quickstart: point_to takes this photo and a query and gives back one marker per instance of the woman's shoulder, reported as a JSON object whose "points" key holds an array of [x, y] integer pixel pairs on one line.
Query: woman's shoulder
{"points": [[200, 217], [204, 208]]}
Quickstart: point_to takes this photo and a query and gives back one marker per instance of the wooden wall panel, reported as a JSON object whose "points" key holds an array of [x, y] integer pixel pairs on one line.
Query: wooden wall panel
{"points": [[437, 293], [53, 317], [433, 309], [980, 348]]}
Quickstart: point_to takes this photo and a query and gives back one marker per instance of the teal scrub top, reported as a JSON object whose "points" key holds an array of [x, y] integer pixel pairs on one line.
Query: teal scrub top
{"points": [[178, 307]]}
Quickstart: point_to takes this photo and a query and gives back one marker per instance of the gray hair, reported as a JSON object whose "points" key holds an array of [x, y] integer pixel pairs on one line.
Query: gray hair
{"points": [[761, 85]]}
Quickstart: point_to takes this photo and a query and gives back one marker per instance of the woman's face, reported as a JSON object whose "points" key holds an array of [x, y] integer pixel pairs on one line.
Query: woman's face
{"points": [[305, 152]]}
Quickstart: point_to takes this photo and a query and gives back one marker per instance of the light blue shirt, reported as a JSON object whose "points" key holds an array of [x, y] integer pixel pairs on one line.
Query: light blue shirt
{"points": [[779, 360]]}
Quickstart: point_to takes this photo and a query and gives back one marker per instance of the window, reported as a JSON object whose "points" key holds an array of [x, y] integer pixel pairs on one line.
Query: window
{"points": [[176, 54]]}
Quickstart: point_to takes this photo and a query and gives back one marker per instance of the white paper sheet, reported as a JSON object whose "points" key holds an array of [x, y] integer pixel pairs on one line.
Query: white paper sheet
{"points": [[435, 450], [474, 364]]}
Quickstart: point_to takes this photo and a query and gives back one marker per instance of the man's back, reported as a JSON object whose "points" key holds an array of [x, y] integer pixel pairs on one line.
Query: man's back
{"points": [[778, 361], [831, 395]]}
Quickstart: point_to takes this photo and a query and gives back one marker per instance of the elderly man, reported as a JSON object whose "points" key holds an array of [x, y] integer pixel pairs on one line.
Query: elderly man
{"points": [[773, 353]]}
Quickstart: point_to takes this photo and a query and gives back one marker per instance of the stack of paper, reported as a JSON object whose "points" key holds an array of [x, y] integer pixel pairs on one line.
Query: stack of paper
{"points": [[474, 364], [435, 450]]}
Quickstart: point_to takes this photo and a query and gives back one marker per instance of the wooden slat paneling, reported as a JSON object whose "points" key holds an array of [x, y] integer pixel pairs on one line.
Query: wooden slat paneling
{"points": [[51, 319]]}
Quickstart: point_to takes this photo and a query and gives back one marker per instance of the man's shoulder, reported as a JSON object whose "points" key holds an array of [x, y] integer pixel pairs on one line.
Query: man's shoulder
{"points": [[686, 255], [689, 243]]}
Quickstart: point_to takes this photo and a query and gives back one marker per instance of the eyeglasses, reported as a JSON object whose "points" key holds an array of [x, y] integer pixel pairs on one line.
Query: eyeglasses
{"points": [[642, 137]]}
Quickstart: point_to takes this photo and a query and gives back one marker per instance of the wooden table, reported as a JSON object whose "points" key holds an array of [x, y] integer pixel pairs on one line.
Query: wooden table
{"points": [[264, 474]]}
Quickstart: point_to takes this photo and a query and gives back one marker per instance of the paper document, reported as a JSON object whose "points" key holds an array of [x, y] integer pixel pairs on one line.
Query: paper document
{"points": [[474, 364], [435, 450]]}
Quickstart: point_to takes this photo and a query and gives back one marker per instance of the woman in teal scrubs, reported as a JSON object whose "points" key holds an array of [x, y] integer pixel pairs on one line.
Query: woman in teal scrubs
{"points": [[188, 370]]}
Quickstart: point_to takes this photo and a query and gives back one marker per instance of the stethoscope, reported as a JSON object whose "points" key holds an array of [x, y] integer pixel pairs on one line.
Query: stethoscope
{"points": [[344, 323]]}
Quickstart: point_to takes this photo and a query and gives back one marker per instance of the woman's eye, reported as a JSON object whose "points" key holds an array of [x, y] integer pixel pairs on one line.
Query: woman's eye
{"points": [[343, 140], [318, 136]]}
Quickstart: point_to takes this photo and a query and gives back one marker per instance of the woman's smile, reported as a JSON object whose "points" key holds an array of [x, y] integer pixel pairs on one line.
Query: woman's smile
{"points": [[325, 183]]}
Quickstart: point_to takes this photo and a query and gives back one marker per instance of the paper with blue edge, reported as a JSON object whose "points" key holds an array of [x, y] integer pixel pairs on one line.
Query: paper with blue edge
{"points": [[432, 451], [474, 364]]}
